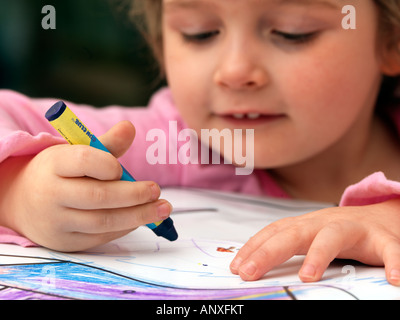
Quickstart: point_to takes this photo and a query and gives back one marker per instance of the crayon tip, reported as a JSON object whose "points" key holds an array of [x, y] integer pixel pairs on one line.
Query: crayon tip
{"points": [[55, 111], [166, 230], [171, 235]]}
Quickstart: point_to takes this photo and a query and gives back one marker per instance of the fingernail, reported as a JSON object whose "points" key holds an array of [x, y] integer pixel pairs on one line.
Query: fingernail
{"points": [[163, 210], [308, 272], [236, 264], [249, 269], [395, 275], [155, 191]]}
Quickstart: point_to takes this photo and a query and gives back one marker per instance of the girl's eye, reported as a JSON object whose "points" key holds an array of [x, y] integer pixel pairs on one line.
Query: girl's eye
{"points": [[295, 37], [200, 37]]}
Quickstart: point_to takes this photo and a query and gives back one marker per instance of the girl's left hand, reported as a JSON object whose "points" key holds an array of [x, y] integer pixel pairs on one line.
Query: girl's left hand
{"points": [[369, 234]]}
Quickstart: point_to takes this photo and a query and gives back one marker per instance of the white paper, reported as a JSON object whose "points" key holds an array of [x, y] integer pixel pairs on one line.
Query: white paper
{"points": [[212, 226]]}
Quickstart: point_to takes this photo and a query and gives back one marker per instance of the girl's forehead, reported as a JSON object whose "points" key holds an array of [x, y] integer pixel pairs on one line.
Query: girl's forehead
{"points": [[195, 3]]}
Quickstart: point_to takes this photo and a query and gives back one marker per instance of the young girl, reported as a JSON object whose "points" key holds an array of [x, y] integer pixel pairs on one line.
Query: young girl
{"points": [[320, 98]]}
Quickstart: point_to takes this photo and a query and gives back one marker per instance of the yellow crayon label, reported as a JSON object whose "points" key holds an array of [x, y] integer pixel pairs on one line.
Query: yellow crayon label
{"points": [[72, 129]]}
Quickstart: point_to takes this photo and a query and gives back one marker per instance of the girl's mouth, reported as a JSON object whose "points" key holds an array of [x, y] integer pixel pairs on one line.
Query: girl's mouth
{"points": [[251, 118]]}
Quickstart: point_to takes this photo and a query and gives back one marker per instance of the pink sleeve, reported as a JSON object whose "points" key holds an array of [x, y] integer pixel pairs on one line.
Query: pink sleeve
{"points": [[373, 189], [11, 237], [22, 132], [23, 128]]}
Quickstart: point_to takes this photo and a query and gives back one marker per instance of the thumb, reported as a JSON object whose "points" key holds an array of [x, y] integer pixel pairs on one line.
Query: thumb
{"points": [[119, 138]]}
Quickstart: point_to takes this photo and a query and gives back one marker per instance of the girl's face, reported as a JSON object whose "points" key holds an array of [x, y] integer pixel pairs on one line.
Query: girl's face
{"points": [[285, 68]]}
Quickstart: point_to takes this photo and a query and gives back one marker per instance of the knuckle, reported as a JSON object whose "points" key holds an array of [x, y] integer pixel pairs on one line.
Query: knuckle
{"points": [[251, 245], [82, 154], [98, 194], [263, 253], [294, 233], [273, 228], [143, 193], [288, 220], [336, 225], [281, 224], [143, 217], [50, 158], [247, 249], [299, 237], [342, 228], [319, 250], [114, 166], [104, 222]]}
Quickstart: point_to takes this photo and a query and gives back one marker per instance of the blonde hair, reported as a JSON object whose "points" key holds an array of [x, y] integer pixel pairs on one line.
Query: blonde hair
{"points": [[389, 14], [147, 15]]}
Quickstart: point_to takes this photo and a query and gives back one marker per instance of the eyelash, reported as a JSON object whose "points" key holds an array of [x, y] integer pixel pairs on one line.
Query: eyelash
{"points": [[295, 38], [200, 37]]}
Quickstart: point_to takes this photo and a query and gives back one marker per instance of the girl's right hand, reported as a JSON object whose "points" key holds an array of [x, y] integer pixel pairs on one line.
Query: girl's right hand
{"points": [[70, 198]]}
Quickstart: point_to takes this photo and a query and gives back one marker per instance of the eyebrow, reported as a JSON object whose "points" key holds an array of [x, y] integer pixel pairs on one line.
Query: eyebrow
{"points": [[186, 3], [197, 3], [326, 3]]}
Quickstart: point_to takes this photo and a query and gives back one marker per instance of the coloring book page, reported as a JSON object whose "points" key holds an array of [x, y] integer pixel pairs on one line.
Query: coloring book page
{"points": [[212, 226]]}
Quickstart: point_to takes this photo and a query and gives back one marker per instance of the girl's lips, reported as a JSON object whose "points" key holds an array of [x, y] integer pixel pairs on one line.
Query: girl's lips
{"points": [[251, 118]]}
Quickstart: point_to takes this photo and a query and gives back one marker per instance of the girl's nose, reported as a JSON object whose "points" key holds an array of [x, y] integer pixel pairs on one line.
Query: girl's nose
{"points": [[241, 71]]}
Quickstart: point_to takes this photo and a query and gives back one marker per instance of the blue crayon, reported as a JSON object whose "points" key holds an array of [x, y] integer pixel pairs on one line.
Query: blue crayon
{"points": [[75, 132]]}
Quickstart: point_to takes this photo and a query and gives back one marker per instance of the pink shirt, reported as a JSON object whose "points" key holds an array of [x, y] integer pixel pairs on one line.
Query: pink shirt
{"points": [[24, 131]]}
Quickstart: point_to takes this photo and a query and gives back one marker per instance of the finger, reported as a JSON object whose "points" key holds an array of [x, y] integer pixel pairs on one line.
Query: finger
{"points": [[116, 220], [119, 138], [76, 241], [391, 259], [257, 241], [90, 194], [81, 161], [332, 239], [273, 252]]}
